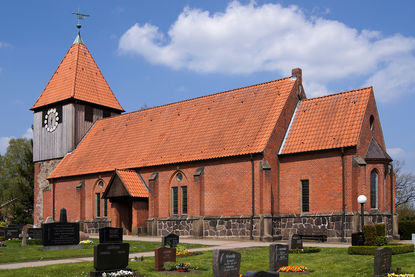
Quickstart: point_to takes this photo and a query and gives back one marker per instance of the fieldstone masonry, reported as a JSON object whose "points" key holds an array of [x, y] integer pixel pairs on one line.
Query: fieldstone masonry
{"points": [[45, 168], [279, 227]]}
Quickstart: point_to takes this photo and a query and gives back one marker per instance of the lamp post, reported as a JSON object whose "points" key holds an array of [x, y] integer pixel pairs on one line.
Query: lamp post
{"points": [[362, 200]]}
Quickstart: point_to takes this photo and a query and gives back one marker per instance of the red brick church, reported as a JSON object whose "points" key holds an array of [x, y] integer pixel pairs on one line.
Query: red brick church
{"points": [[259, 162]]}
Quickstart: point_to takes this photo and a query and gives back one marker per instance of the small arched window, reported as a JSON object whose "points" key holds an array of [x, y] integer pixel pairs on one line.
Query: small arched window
{"points": [[374, 189], [371, 122]]}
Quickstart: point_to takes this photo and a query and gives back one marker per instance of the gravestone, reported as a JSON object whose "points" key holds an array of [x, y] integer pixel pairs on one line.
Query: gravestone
{"points": [[260, 274], [170, 239], [413, 239], [278, 256], [110, 257], [358, 239], [13, 231], [35, 233], [60, 233], [296, 242], [162, 255], [383, 261], [110, 235], [226, 263]]}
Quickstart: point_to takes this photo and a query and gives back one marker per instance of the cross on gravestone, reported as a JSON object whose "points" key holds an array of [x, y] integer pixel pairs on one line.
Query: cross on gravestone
{"points": [[383, 261], [170, 239], [226, 263], [260, 274], [278, 256], [296, 242], [162, 255]]}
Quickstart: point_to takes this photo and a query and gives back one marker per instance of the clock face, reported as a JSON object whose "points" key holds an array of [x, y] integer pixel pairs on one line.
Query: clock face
{"points": [[51, 120]]}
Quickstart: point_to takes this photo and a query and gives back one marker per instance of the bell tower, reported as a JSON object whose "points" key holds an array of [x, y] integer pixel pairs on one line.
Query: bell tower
{"points": [[75, 97]]}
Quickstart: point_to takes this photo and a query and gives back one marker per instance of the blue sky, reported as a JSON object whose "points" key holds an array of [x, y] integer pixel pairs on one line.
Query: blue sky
{"points": [[157, 52]]}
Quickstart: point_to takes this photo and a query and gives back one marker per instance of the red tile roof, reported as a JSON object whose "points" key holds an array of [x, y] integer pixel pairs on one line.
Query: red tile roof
{"points": [[225, 124], [133, 183], [78, 77], [327, 122]]}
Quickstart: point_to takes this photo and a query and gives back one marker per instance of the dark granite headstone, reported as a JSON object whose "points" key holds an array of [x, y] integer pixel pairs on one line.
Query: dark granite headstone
{"points": [[13, 231], [383, 261], [170, 239], [35, 233], [296, 242], [111, 256], [60, 233], [278, 256], [226, 263], [260, 274], [110, 234], [162, 255], [62, 216], [358, 239]]}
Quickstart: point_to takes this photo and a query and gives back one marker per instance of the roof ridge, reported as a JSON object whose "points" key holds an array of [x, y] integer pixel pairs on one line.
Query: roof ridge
{"points": [[199, 97], [76, 70], [337, 94], [50, 79]]}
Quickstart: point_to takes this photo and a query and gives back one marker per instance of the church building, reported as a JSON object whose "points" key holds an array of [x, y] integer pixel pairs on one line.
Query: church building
{"points": [[260, 162]]}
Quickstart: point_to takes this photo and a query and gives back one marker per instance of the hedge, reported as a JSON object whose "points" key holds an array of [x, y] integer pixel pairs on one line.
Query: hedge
{"points": [[305, 250], [406, 229], [397, 248]]}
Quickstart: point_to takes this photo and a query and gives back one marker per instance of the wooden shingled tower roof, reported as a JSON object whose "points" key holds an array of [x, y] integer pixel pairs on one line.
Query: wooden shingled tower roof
{"points": [[78, 78]]}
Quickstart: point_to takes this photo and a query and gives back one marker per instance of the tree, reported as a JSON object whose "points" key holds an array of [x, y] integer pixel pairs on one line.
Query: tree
{"points": [[405, 185], [16, 181]]}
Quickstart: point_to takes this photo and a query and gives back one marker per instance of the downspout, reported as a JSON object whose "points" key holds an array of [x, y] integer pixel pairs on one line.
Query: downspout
{"points": [[53, 200], [392, 204], [343, 239], [251, 236]]}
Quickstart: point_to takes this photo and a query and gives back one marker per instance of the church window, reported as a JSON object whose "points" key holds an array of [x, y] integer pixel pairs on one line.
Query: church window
{"points": [[305, 196], [371, 121], [374, 189], [175, 200], [89, 113], [184, 200], [104, 207], [179, 176], [98, 204]]}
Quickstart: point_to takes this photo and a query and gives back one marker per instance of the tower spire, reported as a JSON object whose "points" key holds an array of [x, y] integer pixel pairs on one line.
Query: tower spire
{"points": [[80, 16]]}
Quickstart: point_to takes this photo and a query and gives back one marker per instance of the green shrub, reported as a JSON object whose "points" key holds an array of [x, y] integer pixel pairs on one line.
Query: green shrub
{"points": [[380, 229], [305, 250], [397, 248], [381, 240], [370, 234], [169, 266], [406, 228]]}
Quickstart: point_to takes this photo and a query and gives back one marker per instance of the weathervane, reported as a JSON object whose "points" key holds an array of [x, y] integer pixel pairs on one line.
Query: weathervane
{"points": [[80, 16]]}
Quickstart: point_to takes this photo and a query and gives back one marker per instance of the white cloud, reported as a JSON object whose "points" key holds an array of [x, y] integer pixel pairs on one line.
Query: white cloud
{"points": [[396, 153], [250, 38], [4, 44], [4, 141], [28, 134]]}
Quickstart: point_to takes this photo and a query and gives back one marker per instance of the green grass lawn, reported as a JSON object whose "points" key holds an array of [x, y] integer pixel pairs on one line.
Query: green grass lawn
{"points": [[14, 252], [328, 262]]}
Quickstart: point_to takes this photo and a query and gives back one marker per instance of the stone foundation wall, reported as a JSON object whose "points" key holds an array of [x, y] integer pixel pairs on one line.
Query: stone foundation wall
{"points": [[266, 227], [93, 226]]}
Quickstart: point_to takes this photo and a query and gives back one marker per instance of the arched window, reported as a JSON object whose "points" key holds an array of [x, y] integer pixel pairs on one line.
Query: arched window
{"points": [[101, 205], [373, 189], [371, 121]]}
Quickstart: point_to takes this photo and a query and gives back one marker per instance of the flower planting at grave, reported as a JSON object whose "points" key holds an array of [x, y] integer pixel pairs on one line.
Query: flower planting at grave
{"points": [[181, 267], [88, 241], [291, 268], [120, 273], [400, 275]]}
